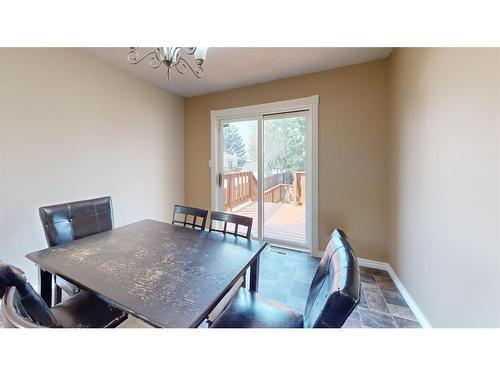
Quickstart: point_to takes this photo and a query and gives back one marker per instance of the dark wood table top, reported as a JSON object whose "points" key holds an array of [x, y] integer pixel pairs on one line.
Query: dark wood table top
{"points": [[167, 275]]}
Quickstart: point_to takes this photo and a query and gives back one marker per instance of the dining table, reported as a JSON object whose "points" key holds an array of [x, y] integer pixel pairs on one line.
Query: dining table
{"points": [[166, 275]]}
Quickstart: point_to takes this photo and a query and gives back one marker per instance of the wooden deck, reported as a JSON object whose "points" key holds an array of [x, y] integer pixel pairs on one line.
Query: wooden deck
{"points": [[282, 221]]}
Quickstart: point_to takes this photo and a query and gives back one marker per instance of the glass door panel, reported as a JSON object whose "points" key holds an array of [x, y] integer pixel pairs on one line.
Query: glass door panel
{"points": [[240, 159], [284, 182]]}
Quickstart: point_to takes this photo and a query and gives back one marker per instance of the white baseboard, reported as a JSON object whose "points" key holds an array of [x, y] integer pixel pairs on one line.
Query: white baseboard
{"points": [[404, 292]]}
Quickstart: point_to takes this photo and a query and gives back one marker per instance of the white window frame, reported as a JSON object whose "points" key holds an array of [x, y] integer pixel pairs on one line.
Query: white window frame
{"points": [[308, 103]]}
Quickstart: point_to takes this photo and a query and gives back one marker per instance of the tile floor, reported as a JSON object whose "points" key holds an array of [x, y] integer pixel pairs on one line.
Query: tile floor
{"points": [[286, 278]]}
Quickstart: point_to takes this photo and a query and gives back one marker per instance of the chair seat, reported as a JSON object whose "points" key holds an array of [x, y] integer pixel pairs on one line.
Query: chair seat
{"points": [[69, 288], [250, 310], [86, 310]]}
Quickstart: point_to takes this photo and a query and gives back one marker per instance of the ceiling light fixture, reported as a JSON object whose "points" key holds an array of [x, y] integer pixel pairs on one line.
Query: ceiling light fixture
{"points": [[172, 57]]}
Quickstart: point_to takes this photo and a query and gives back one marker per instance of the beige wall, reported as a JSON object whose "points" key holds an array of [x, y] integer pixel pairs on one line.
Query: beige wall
{"points": [[73, 127], [353, 147], [445, 185]]}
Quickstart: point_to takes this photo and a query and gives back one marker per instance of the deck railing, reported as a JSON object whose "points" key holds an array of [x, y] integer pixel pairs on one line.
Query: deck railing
{"points": [[241, 187], [299, 187], [278, 194]]}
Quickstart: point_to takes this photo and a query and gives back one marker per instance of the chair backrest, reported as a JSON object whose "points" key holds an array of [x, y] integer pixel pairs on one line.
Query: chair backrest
{"points": [[335, 289], [21, 306], [237, 220], [190, 211], [70, 221], [12, 312]]}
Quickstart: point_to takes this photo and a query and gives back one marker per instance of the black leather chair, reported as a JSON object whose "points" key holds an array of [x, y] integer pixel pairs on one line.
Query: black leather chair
{"points": [[333, 295], [22, 307], [70, 221], [237, 221], [190, 211]]}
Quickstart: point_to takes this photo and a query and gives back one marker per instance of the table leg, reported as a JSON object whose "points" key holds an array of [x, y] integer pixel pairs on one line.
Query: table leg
{"points": [[45, 285], [57, 292], [254, 274]]}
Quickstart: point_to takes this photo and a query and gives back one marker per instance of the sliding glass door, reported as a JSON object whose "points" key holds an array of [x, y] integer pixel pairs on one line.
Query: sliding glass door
{"points": [[263, 173]]}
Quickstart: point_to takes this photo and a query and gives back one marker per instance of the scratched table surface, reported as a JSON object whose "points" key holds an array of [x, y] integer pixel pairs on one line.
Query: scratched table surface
{"points": [[167, 275]]}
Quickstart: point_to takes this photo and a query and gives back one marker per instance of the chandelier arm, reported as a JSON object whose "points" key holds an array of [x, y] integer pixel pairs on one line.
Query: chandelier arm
{"points": [[154, 62], [157, 57], [157, 51], [182, 65], [133, 56], [198, 72]]}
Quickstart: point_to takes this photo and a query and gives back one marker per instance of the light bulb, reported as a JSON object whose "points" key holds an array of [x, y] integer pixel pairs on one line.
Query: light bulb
{"points": [[200, 55]]}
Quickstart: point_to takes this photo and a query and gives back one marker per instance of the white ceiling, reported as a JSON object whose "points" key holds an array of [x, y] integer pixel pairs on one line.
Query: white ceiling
{"points": [[227, 68]]}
